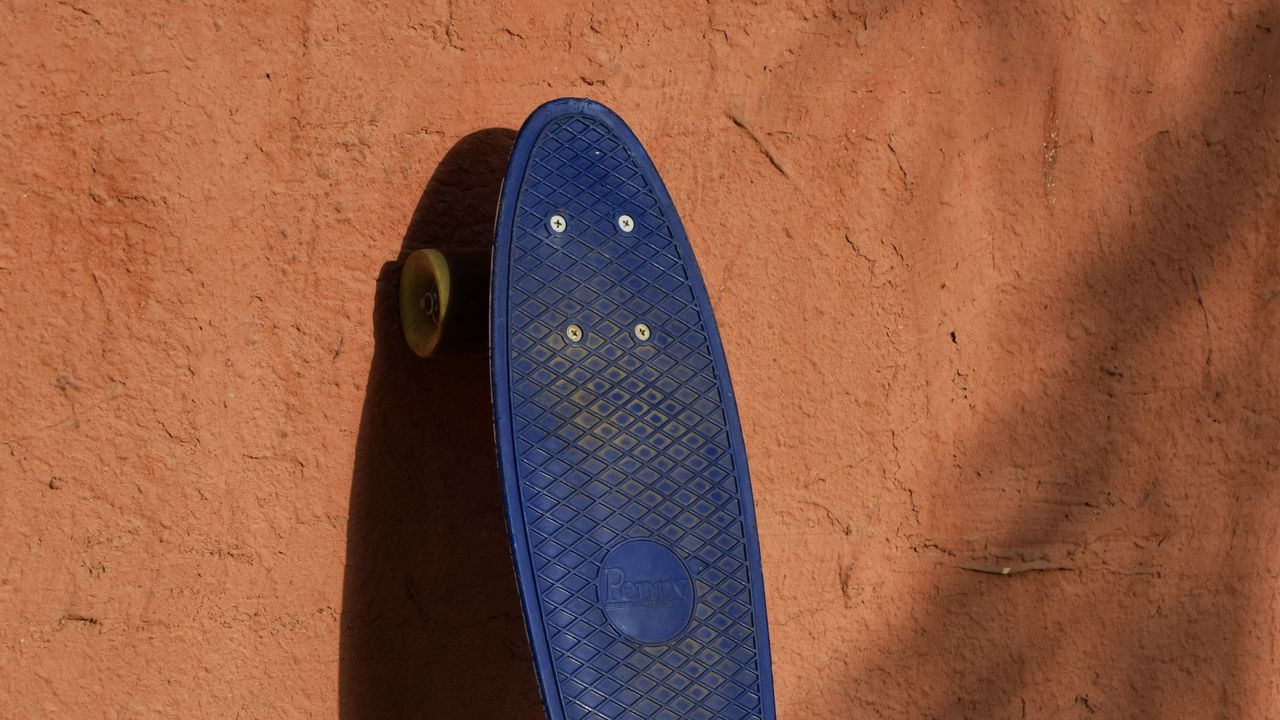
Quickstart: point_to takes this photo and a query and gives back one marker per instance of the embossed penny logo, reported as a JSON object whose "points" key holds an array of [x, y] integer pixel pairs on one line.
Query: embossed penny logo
{"points": [[646, 592]]}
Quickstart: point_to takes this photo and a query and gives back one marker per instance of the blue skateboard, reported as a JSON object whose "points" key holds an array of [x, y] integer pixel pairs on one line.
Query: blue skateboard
{"points": [[623, 468]]}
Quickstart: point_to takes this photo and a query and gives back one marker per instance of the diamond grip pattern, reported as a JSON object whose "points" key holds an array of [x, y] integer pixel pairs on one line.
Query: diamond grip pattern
{"points": [[618, 439]]}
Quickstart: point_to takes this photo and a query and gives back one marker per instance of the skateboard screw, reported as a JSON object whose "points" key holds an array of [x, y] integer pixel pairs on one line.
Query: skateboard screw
{"points": [[642, 332], [574, 333], [626, 224], [557, 223]]}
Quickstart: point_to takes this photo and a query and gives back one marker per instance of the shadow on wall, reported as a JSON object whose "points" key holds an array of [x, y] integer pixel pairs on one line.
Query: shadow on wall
{"points": [[1167, 648], [431, 623]]}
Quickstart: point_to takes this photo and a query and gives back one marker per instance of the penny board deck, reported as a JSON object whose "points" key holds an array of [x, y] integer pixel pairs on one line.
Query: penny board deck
{"points": [[624, 474]]}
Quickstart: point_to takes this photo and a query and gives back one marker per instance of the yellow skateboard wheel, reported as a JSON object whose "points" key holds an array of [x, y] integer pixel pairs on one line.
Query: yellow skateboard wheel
{"points": [[444, 301]]}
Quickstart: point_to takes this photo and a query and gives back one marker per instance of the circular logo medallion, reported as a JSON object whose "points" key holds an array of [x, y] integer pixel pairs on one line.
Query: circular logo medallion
{"points": [[646, 592]]}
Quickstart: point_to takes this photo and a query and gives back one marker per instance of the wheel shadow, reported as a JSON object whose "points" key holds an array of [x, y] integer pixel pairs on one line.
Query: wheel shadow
{"points": [[431, 622]]}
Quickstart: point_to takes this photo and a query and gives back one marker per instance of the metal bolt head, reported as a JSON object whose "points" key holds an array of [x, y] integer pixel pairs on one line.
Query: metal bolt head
{"points": [[574, 333], [626, 224], [557, 223], [429, 303], [641, 332]]}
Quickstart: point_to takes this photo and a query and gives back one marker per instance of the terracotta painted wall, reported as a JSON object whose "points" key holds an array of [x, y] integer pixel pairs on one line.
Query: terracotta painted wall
{"points": [[999, 283]]}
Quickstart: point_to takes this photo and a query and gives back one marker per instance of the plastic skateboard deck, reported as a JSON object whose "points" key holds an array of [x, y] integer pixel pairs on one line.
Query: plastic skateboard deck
{"points": [[623, 467]]}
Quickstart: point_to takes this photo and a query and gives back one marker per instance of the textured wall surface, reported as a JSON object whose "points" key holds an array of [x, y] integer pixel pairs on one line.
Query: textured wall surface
{"points": [[999, 285]]}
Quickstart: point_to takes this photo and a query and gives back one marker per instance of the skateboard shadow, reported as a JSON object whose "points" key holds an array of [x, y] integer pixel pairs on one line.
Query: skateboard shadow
{"points": [[431, 622]]}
